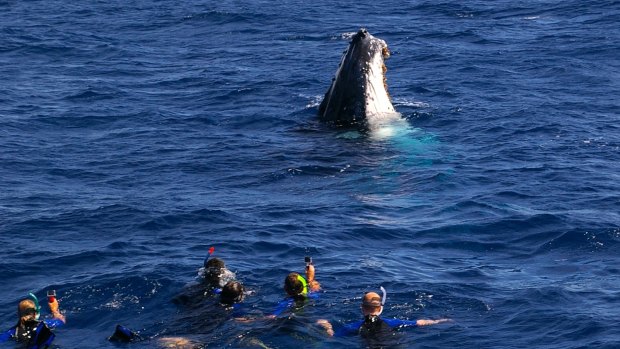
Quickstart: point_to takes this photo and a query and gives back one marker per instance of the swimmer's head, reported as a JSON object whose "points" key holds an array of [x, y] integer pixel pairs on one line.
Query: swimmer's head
{"points": [[216, 274], [215, 263], [232, 292], [295, 285], [372, 304], [27, 310]]}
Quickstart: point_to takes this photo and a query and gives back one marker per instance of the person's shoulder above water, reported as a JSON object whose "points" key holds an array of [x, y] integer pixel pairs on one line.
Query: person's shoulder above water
{"points": [[372, 324], [31, 331], [298, 290]]}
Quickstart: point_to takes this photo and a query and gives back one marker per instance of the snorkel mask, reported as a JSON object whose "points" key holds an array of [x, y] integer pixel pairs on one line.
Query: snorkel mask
{"points": [[372, 304], [296, 285], [374, 301], [304, 290]]}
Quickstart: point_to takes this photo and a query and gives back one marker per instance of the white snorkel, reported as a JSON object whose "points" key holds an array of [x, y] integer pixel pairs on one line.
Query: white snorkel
{"points": [[372, 304], [384, 295]]}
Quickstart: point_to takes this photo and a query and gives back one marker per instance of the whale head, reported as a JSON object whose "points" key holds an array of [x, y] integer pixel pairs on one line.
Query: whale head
{"points": [[358, 94]]}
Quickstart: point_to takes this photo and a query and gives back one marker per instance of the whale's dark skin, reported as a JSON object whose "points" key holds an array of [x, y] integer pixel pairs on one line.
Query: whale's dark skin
{"points": [[358, 91]]}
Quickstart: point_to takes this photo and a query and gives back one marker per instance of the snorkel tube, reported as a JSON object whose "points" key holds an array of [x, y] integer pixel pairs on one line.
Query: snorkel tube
{"points": [[37, 307], [211, 250], [384, 295]]}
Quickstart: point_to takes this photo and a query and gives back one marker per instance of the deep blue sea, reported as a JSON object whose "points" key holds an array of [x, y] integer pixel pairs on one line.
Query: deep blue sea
{"points": [[134, 135]]}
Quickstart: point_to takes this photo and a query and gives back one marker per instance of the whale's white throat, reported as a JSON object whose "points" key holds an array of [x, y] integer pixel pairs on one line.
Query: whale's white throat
{"points": [[377, 97]]}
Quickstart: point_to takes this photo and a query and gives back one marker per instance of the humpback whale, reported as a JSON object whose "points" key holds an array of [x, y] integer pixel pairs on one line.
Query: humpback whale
{"points": [[358, 93]]}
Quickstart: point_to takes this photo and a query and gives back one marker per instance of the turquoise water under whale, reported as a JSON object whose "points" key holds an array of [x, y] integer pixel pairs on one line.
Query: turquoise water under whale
{"points": [[136, 135]]}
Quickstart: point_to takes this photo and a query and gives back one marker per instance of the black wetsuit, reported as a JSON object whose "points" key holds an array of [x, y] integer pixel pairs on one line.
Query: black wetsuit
{"points": [[34, 335], [377, 332]]}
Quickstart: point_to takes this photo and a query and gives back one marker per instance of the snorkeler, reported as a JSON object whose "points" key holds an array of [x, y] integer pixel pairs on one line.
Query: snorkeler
{"points": [[373, 327], [188, 330], [216, 279], [213, 276], [29, 330], [298, 289], [233, 293], [216, 275]]}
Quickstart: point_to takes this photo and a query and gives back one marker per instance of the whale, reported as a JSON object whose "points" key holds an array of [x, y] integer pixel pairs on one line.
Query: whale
{"points": [[358, 94]]}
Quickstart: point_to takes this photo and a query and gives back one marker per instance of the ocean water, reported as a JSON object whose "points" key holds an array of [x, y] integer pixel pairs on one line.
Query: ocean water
{"points": [[134, 135]]}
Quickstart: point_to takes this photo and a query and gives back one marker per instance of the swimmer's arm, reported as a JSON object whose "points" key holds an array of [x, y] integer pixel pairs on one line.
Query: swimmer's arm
{"points": [[326, 326], [346, 330], [246, 319], [177, 343], [240, 315], [5, 336], [424, 322], [280, 308], [313, 284], [55, 313], [53, 323]]}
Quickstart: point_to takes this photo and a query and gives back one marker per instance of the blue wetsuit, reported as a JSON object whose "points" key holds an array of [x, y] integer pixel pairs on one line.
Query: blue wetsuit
{"points": [[40, 337], [354, 328], [238, 310], [289, 302]]}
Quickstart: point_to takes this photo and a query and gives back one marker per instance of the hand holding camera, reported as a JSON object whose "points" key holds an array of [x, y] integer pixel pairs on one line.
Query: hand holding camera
{"points": [[51, 301], [314, 285]]}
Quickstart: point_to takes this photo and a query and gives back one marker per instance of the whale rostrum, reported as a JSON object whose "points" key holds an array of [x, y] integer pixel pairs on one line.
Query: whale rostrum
{"points": [[358, 93]]}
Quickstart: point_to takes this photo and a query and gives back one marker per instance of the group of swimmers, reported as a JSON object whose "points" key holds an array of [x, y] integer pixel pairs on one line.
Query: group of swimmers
{"points": [[217, 280]]}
